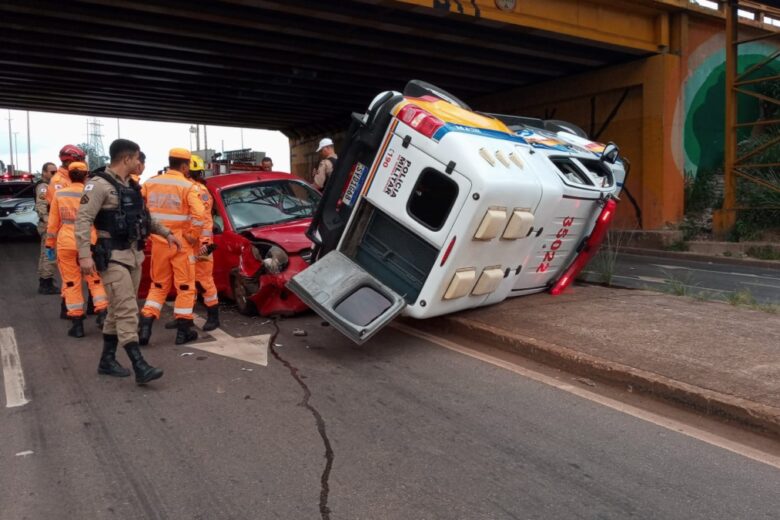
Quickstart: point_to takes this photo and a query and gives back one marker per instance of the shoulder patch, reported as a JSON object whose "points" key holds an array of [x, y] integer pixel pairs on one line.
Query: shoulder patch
{"points": [[205, 197], [58, 186], [89, 187], [43, 188], [84, 199]]}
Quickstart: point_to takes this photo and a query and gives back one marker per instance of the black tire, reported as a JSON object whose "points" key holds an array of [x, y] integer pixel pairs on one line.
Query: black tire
{"points": [[241, 297]]}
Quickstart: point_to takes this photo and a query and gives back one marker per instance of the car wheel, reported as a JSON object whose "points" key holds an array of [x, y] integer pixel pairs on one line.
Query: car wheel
{"points": [[241, 297]]}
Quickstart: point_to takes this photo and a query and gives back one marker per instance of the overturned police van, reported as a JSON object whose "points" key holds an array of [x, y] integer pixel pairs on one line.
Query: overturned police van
{"points": [[434, 208]]}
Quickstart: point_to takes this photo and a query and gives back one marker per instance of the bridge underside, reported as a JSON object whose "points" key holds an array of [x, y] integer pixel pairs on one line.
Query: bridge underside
{"points": [[292, 65]]}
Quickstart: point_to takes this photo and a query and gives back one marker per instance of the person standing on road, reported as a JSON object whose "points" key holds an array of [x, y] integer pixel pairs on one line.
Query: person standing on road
{"points": [[204, 263], [328, 160], [267, 164], [136, 175], [175, 201], [68, 154], [113, 203], [61, 233], [45, 266]]}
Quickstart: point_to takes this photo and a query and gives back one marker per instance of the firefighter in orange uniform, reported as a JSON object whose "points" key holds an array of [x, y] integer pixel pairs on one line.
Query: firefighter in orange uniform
{"points": [[204, 264], [61, 233], [68, 154], [175, 202]]}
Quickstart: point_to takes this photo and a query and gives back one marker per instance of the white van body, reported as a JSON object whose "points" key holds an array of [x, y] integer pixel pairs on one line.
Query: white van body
{"points": [[456, 216]]}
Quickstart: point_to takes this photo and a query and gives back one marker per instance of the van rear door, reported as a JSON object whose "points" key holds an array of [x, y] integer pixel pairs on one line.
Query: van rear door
{"points": [[347, 296]]}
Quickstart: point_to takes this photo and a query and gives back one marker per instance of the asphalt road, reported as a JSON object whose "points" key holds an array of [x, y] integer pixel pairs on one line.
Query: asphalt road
{"points": [[397, 429], [689, 277]]}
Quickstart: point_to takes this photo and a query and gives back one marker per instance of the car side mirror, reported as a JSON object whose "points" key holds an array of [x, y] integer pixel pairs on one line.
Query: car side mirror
{"points": [[610, 154]]}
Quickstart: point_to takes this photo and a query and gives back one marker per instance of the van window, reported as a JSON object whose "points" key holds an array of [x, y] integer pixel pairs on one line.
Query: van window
{"points": [[432, 199], [570, 172]]}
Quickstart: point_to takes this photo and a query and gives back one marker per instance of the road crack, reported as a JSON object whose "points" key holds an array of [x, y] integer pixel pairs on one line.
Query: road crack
{"points": [[329, 455]]}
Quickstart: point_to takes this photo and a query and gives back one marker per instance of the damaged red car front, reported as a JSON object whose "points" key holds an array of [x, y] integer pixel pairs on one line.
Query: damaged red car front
{"points": [[260, 221]]}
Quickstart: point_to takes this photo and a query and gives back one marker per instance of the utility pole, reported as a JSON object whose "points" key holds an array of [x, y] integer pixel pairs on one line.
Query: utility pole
{"points": [[205, 138], [16, 151], [197, 136], [242, 138], [10, 138], [118, 134], [29, 155]]}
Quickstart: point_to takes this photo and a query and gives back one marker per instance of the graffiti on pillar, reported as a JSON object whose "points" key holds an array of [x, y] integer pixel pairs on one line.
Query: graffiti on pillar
{"points": [[700, 114]]}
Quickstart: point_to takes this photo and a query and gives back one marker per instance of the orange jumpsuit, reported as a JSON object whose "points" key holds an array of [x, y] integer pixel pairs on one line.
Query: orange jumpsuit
{"points": [[175, 202], [204, 266], [58, 181], [61, 232]]}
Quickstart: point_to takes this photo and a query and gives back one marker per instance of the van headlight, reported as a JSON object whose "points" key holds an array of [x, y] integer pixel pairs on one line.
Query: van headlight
{"points": [[25, 207]]}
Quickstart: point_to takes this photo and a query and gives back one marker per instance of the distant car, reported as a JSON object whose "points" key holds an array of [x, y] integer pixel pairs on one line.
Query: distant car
{"points": [[257, 215], [17, 209]]}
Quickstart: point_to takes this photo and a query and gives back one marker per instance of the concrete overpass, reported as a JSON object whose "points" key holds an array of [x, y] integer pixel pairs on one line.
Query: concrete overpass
{"points": [[612, 66]]}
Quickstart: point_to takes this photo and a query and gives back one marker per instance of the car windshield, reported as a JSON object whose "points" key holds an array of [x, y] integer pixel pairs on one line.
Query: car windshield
{"points": [[11, 190], [270, 202]]}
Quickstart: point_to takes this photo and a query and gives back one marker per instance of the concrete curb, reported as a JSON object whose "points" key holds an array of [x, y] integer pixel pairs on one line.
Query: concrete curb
{"points": [[757, 415], [684, 255]]}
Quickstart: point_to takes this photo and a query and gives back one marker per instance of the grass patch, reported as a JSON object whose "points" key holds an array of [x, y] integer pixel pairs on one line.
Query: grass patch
{"points": [[743, 297], [763, 252], [680, 285], [680, 245], [605, 261]]}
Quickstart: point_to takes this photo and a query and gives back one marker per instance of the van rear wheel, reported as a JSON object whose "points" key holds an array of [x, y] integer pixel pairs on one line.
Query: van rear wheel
{"points": [[241, 297]]}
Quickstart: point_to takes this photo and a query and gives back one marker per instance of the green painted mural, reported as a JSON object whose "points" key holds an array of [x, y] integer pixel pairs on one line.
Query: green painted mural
{"points": [[704, 102]]}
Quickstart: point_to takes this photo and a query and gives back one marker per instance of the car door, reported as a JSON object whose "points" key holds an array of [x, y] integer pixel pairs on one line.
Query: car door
{"points": [[343, 293]]}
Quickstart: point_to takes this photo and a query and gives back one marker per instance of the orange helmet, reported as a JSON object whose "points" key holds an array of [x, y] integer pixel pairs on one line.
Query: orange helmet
{"points": [[70, 153]]}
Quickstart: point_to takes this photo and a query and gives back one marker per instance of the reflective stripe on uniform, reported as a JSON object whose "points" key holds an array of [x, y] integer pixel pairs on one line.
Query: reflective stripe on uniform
{"points": [[193, 258], [180, 310], [98, 299], [51, 235], [74, 306], [207, 233], [170, 182], [72, 194], [68, 221], [153, 305], [166, 216], [209, 299], [197, 222]]}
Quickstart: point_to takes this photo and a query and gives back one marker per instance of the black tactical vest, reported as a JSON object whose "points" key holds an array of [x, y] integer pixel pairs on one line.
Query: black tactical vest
{"points": [[127, 223]]}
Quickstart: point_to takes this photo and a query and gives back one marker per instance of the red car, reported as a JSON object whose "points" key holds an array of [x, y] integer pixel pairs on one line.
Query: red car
{"points": [[256, 215]]}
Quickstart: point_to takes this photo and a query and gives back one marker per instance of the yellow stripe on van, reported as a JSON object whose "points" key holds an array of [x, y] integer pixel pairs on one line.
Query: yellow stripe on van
{"points": [[450, 113]]}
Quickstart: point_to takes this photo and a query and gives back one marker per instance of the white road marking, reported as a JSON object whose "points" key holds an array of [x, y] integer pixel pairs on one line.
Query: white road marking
{"points": [[252, 349], [659, 420], [712, 271], [650, 279], [24, 453], [12, 370]]}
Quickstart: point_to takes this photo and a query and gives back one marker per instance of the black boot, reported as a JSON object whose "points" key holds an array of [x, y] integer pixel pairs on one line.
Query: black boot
{"points": [[63, 310], [90, 305], [213, 318], [144, 372], [145, 329], [46, 286], [173, 324], [77, 329], [184, 331], [101, 318], [109, 366]]}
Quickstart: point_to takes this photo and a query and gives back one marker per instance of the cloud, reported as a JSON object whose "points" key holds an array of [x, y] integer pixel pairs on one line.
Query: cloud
{"points": [[49, 132]]}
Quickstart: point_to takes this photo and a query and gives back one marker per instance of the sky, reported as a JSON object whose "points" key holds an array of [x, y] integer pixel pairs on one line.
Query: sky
{"points": [[49, 132]]}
